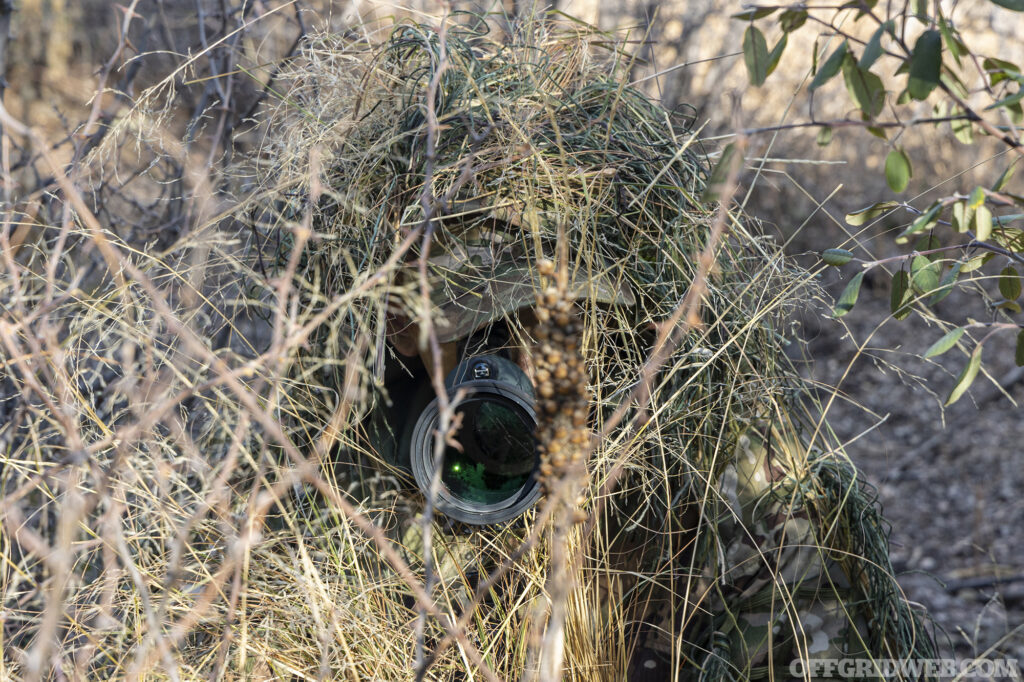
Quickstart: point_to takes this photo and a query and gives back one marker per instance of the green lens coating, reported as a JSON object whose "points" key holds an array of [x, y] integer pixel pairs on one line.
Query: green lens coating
{"points": [[498, 452]]}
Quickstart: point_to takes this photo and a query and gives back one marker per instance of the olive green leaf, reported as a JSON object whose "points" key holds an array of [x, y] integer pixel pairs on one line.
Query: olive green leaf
{"points": [[929, 243], [955, 46], [836, 257], [729, 160], [755, 55], [946, 285], [948, 340], [878, 132], [776, 54], [897, 170], [830, 68], [1000, 70], [925, 65], [824, 136], [924, 221], [1018, 356], [1007, 101], [1015, 5], [865, 88], [974, 263], [873, 50], [977, 197], [792, 19], [954, 83], [1005, 177], [871, 212], [983, 223], [1009, 283], [754, 13], [924, 274], [966, 378], [899, 298], [849, 296], [962, 216]]}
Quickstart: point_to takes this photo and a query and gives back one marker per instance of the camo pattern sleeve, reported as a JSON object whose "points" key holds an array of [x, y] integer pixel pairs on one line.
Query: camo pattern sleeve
{"points": [[803, 571]]}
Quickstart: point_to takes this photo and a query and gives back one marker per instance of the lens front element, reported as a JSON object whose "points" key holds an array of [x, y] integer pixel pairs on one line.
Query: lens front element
{"points": [[497, 453], [490, 476]]}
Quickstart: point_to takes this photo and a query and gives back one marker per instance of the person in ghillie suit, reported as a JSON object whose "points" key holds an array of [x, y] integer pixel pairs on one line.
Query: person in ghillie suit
{"points": [[729, 535]]}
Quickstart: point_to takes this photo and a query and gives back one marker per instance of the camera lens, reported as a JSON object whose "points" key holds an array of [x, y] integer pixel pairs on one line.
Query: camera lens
{"points": [[497, 452], [489, 471]]}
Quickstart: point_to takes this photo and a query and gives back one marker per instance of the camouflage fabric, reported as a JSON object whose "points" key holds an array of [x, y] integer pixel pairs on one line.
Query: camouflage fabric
{"points": [[773, 595]]}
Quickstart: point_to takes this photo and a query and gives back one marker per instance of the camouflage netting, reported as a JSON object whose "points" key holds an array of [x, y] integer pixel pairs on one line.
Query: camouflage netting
{"points": [[209, 548]]}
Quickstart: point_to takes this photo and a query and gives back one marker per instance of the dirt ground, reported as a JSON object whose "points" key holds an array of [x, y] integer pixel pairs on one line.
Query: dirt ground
{"points": [[951, 484]]}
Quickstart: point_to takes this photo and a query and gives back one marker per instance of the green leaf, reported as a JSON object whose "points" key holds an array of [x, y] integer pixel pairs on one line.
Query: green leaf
{"points": [[900, 295], [925, 65], [966, 377], [836, 257], [1018, 356], [755, 55], [873, 50], [1009, 283], [871, 212], [962, 216], [824, 136], [897, 170], [1004, 179], [974, 263], [1007, 101], [977, 197], [878, 132], [946, 285], [729, 160], [929, 243], [953, 42], [830, 68], [1000, 70], [864, 87], [924, 275], [982, 223], [954, 83], [1015, 5], [754, 13], [1016, 112], [948, 340], [776, 54], [923, 222], [963, 129], [792, 19], [849, 296]]}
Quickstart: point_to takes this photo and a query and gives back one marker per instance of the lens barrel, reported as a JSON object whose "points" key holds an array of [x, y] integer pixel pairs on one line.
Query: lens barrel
{"points": [[491, 476]]}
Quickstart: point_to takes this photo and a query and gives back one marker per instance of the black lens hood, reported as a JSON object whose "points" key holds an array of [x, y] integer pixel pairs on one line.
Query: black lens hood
{"points": [[422, 455]]}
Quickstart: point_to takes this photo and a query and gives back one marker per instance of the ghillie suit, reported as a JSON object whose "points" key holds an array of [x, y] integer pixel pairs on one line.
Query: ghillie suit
{"points": [[730, 536]]}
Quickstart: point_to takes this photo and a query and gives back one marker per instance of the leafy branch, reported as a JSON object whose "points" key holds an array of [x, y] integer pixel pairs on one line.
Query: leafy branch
{"points": [[974, 94]]}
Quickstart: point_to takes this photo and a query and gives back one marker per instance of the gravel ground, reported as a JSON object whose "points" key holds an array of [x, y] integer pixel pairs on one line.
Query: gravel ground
{"points": [[951, 484]]}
